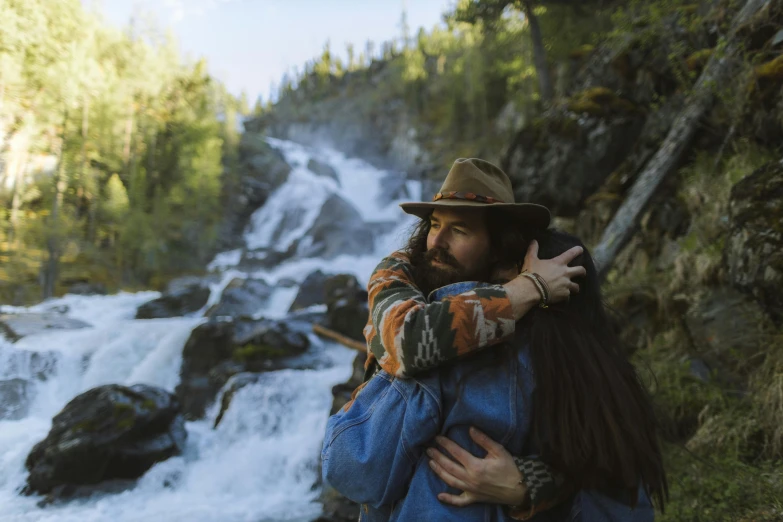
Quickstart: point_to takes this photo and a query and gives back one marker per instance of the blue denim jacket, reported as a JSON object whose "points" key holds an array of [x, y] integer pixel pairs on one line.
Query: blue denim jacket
{"points": [[373, 453]]}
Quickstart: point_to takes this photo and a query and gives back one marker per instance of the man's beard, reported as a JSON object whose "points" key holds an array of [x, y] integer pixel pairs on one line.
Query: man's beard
{"points": [[429, 277]]}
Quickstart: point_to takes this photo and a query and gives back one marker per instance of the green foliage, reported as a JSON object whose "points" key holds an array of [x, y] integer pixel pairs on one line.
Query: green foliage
{"points": [[119, 153], [716, 487]]}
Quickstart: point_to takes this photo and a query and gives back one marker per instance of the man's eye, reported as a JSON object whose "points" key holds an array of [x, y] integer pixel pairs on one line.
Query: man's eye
{"points": [[434, 226], [458, 231]]}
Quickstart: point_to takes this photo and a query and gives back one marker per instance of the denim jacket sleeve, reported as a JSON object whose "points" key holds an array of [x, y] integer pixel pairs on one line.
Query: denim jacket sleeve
{"points": [[371, 449]]}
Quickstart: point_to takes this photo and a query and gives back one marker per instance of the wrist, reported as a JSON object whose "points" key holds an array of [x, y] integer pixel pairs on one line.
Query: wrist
{"points": [[523, 294], [518, 497]]}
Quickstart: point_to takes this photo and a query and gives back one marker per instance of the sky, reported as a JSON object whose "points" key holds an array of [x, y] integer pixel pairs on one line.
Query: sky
{"points": [[249, 44]]}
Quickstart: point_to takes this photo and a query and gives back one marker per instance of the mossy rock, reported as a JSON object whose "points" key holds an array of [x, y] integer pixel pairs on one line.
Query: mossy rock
{"points": [[600, 102], [258, 352], [699, 59], [754, 249], [771, 70], [107, 433]]}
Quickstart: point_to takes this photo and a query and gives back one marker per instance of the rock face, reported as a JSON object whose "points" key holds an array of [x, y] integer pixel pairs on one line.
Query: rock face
{"points": [[342, 392], [323, 169], [108, 433], [265, 170], [242, 297], [338, 229], [727, 327], [393, 187], [562, 158], [219, 349], [16, 326], [178, 301], [346, 303], [311, 291], [754, 248]]}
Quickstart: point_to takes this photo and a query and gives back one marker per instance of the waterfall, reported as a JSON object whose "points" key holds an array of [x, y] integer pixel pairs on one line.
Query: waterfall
{"points": [[261, 463]]}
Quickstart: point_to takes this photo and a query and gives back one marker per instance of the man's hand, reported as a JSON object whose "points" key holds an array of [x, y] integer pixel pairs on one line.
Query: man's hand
{"points": [[556, 271], [494, 479]]}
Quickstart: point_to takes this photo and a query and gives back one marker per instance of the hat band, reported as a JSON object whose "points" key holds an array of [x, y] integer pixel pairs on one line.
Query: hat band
{"points": [[467, 196]]}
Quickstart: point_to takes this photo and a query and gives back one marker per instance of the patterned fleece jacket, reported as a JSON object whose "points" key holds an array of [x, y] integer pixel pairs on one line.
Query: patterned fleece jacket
{"points": [[406, 334]]}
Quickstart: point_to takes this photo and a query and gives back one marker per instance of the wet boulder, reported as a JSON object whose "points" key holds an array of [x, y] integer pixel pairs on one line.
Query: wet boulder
{"points": [[338, 230], [220, 349], [183, 298], [311, 291], [393, 188], [754, 247], [242, 297], [264, 163], [16, 326], [342, 392], [322, 169], [337, 508], [346, 303], [105, 434], [209, 345]]}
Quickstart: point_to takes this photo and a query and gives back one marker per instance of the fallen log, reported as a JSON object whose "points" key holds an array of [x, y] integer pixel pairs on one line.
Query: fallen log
{"points": [[339, 338], [626, 219]]}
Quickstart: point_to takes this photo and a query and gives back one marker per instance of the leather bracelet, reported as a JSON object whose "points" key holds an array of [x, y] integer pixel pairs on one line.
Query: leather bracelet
{"points": [[546, 286], [537, 282]]}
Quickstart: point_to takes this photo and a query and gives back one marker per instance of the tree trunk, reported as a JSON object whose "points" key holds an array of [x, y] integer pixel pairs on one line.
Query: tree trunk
{"points": [[626, 219], [126, 149], [91, 188], [16, 199], [539, 54], [53, 241]]}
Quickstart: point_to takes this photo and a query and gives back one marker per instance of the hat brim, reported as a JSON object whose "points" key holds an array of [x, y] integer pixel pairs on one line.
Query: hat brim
{"points": [[533, 216]]}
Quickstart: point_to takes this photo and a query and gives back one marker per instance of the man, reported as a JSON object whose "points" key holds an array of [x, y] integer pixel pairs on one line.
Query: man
{"points": [[471, 231]]}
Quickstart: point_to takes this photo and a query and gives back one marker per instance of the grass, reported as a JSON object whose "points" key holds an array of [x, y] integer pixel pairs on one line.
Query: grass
{"points": [[724, 433]]}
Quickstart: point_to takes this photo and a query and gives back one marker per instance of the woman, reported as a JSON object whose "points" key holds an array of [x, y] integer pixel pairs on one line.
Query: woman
{"points": [[563, 389]]}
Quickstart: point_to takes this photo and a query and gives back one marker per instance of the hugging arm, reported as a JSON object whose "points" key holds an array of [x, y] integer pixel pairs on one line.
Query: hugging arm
{"points": [[370, 450], [407, 335]]}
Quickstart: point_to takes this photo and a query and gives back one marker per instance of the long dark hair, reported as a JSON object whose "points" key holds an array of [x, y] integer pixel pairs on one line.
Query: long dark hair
{"points": [[593, 421], [592, 418]]}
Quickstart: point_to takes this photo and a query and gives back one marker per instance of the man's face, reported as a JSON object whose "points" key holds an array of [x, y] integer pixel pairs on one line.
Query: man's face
{"points": [[458, 248]]}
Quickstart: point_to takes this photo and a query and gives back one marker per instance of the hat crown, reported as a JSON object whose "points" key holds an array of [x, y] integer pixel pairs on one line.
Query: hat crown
{"points": [[477, 176]]}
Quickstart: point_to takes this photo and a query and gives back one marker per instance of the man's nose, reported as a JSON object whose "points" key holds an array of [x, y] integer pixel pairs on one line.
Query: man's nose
{"points": [[439, 241]]}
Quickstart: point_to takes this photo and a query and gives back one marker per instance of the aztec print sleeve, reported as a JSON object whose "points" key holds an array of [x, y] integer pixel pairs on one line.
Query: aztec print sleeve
{"points": [[406, 335], [546, 488]]}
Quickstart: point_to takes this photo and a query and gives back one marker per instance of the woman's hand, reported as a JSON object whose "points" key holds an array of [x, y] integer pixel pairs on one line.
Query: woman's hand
{"points": [[494, 479], [556, 271]]}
